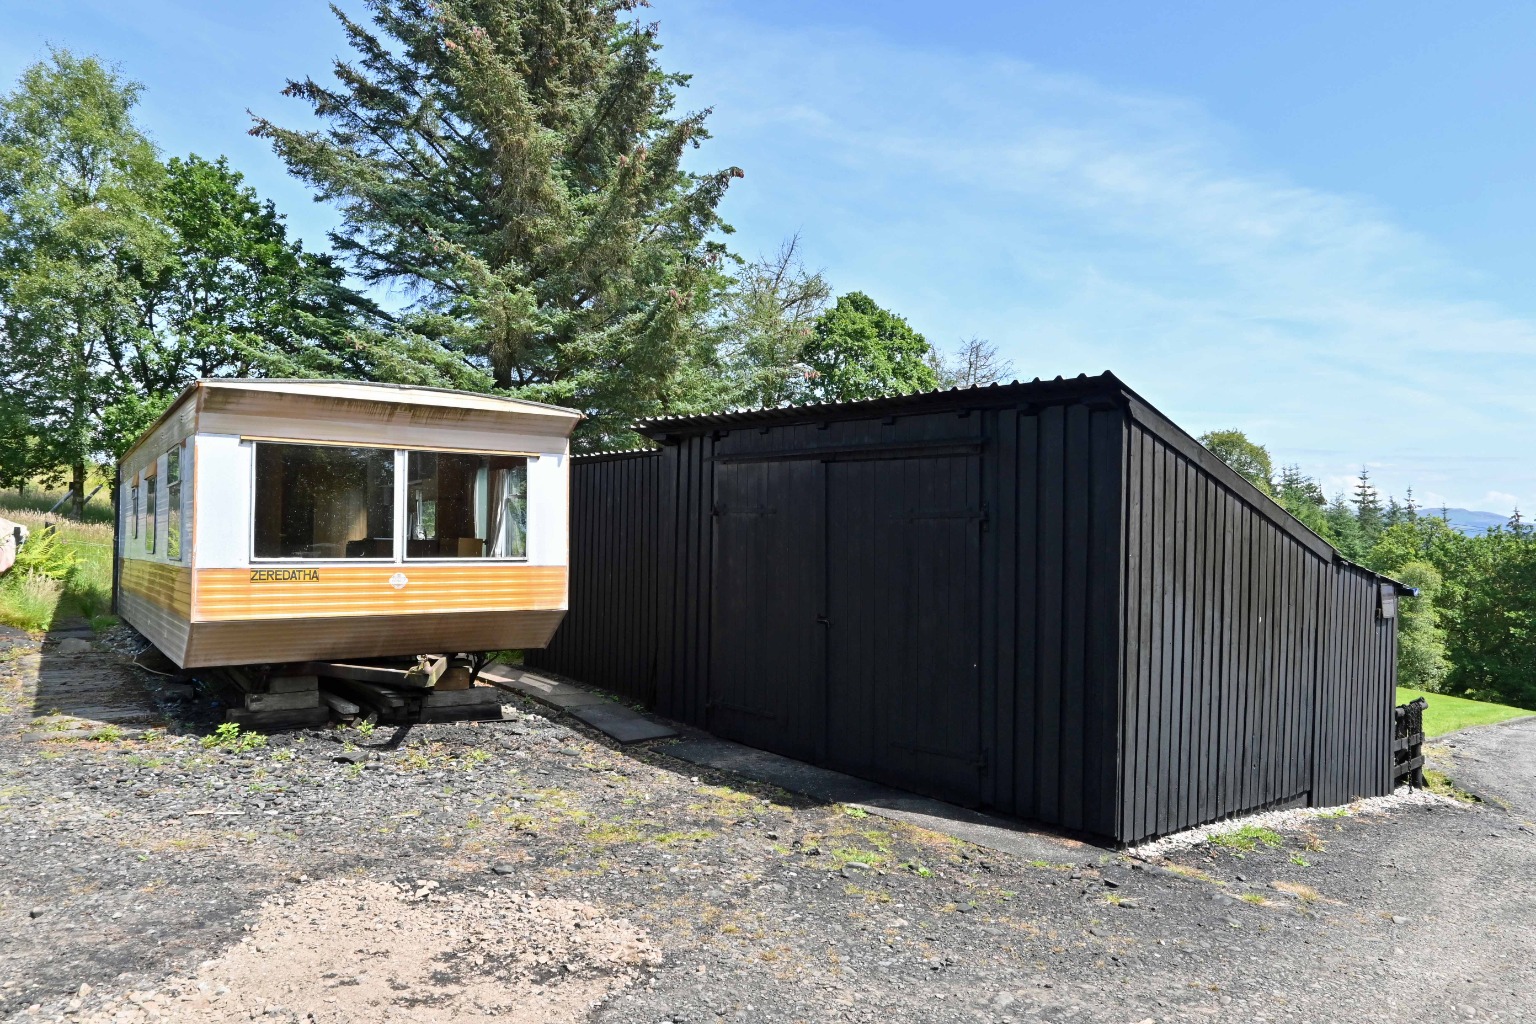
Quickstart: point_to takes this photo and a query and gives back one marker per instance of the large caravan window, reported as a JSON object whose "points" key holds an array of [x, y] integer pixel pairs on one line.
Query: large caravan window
{"points": [[320, 501], [173, 504], [466, 506]]}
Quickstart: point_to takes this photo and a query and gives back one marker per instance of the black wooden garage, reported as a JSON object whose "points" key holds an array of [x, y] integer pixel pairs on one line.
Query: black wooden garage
{"points": [[1042, 598]]}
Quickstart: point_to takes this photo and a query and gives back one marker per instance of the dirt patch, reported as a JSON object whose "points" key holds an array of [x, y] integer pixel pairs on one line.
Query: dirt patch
{"points": [[358, 950]]}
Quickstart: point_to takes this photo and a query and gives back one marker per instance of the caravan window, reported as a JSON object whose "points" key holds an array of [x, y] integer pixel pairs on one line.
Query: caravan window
{"points": [[173, 504], [324, 501], [466, 506], [151, 514]]}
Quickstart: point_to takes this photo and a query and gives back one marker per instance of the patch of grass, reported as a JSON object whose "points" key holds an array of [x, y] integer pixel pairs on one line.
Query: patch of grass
{"points": [[28, 600], [1300, 861], [1447, 714], [1257, 899], [1437, 782], [61, 571], [855, 812], [1046, 865], [1305, 893], [1194, 873], [1247, 838], [611, 833], [670, 838]]}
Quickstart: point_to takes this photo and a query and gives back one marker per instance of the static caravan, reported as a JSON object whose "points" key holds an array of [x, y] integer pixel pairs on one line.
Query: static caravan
{"points": [[281, 521]]}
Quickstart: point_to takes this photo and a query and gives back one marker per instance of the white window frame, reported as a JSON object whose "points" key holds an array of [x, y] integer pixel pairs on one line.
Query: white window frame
{"points": [[396, 543], [405, 455], [402, 465]]}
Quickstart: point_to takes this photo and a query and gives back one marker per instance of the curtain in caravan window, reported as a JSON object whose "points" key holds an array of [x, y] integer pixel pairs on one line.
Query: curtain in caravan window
{"points": [[509, 511], [466, 506]]}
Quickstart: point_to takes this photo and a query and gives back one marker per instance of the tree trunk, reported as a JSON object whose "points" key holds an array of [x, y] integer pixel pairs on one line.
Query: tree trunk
{"points": [[77, 500]]}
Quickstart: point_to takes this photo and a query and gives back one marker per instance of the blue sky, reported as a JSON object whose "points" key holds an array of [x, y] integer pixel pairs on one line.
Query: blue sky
{"points": [[1309, 221]]}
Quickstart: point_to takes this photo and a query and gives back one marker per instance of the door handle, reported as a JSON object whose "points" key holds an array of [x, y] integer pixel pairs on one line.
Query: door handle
{"points": [[822, 620]]}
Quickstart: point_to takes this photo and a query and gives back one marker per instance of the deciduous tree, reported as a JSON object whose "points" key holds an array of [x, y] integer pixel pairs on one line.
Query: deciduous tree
{"points": [[78, 236], [859, 350], [1249, 458]]}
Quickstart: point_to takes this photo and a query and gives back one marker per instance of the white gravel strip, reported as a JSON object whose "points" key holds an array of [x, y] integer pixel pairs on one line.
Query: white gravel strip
{"points": [[1281, 821]]}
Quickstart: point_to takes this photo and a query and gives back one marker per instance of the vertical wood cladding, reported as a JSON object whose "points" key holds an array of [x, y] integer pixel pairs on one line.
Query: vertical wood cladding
{"points": [[1044, 599]]}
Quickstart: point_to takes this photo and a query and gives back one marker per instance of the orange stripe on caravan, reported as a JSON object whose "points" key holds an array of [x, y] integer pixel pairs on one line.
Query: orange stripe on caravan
{"points": [[330, 591], [165, 586]]}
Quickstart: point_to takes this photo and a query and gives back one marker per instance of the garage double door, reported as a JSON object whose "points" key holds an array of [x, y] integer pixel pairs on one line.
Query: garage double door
{"points": [[845, 618]]}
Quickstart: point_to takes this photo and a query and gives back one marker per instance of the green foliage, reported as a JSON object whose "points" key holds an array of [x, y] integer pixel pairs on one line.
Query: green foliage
{"points": [[228, 736], [1344, 530], [46, 554], [1491, 615], [517, 167], [767, 317], [66, 570], [1421, 653], [122, 279], [78, 233], [28, 599], [1247, 839], [1249, 458], [1370, 519], [858, 350]]}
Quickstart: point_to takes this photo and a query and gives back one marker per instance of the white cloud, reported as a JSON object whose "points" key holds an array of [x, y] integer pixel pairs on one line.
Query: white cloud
{"points": [[1084, 229]]}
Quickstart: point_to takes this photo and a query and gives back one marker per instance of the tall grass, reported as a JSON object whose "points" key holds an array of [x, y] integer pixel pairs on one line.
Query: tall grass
{"points": [[39, 498], [60, 572]]}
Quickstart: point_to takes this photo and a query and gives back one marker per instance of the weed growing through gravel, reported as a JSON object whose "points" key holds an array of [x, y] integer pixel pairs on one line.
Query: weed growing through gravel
{"points": [[229, 737], [1300, 861], [1247, 838]]}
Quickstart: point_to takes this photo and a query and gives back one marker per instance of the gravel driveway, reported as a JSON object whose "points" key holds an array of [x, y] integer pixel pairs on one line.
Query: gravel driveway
{"points": [[530, 871]]}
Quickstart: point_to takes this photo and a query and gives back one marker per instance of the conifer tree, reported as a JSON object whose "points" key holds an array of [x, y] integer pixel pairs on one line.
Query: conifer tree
{"points": [[1368, 511], [516, 166]]}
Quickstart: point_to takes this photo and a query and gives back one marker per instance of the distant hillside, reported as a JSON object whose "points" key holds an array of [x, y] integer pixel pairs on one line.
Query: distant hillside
{"points": [[1470, 522]]}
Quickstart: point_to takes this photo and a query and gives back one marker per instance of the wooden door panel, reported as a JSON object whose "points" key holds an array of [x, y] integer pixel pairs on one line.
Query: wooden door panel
{"points": [[766, 660]]}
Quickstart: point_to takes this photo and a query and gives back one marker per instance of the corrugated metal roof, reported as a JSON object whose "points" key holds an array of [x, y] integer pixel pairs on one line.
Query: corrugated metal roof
{"points": [[1037, 389]]}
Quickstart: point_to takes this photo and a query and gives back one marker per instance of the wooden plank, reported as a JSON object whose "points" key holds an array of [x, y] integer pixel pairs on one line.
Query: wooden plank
{"points": [[1026, 660], [268, 721], [282, 701], [340, 705], [292, 683], [1051, 598], [1074, 625]]}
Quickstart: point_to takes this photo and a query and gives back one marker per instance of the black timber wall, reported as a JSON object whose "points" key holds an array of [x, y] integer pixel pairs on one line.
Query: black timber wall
{"points": [[1136, 640], [666, 558], [1257, 671]]}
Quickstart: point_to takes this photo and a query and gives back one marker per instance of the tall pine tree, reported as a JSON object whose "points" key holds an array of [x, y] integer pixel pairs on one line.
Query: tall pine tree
{"points": [[516, 166], [1369, 514]]}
